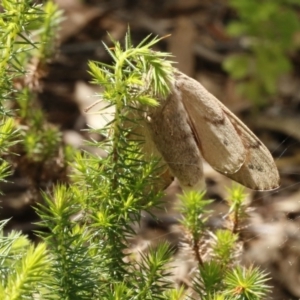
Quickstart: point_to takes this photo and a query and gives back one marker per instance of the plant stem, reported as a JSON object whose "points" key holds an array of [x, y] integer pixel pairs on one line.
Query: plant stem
{"points": [[197, 253]]}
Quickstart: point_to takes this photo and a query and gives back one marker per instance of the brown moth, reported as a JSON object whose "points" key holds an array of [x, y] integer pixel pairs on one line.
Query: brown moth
{"points": [[191, 124]]}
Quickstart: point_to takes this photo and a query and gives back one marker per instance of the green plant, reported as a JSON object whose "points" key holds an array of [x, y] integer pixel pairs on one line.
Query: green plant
{"points": [[28, 39], [14, 20], [22, 263], [22, 266], [267, 31], [220, 276]]}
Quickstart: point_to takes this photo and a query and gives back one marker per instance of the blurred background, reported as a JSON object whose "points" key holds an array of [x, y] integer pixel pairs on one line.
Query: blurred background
{"points": [[245, 52]]}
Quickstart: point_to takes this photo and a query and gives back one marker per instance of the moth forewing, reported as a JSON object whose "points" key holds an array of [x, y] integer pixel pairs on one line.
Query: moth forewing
{"points": [[225, 142], [219, 142], [259, 172], [173, 137]]}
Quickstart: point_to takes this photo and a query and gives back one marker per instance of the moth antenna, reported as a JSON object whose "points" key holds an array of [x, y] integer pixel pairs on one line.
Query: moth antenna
{"points": [[281, 145], [92, 105], [166, 36]]}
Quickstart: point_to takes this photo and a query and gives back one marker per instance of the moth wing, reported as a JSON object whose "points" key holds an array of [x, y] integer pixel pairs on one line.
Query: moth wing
{"points": [[238, 154], [259, 171], [217, 138]]}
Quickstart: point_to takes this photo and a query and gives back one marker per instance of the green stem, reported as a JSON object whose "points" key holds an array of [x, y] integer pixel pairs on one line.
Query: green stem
{"points": [[236, 219], [197, 253], [116, 142], [117, 122]]}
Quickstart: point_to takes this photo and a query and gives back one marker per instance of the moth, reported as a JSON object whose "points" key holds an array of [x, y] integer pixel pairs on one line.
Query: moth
{"points": [[191, 125]]}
